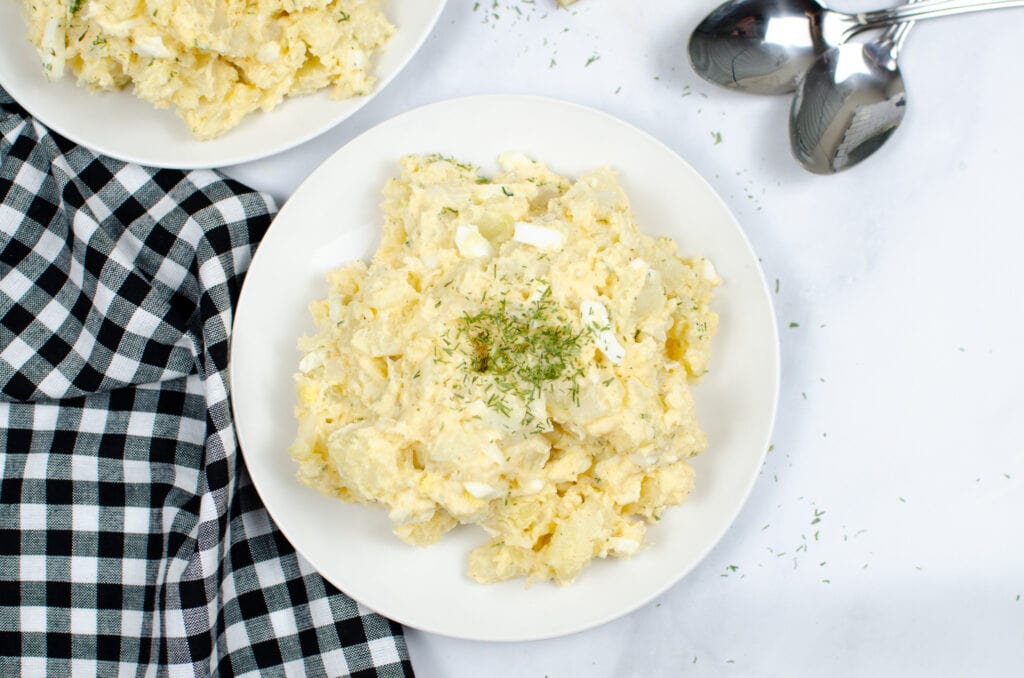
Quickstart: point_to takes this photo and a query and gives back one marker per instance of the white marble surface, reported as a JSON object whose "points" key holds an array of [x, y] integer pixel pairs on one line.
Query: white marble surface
{"points": [[902, 405]]}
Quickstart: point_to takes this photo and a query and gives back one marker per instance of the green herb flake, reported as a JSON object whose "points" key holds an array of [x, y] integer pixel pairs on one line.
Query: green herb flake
{"points": [[522, 350], [437, 157]]}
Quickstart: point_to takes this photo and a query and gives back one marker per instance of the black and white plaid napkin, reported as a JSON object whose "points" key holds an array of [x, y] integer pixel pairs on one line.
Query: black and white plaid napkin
{"points": [[132, 542]]}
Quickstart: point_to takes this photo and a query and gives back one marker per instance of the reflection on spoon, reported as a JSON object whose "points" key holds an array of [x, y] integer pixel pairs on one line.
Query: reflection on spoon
{"points": [[849, 103]]}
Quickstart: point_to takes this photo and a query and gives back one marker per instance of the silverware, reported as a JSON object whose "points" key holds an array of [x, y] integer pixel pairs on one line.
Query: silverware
{"points": [[848, 103], [764, 46]]}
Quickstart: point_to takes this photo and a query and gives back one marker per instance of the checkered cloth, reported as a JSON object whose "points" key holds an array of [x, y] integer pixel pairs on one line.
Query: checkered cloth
{"points": [[132, 542]]}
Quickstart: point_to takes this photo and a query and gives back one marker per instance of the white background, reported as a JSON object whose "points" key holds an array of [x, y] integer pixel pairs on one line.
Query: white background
{"points": [[901, 420]]}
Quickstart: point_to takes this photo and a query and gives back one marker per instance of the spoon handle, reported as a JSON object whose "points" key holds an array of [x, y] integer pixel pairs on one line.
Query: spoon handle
{"points": [[930, 9], [898, 36], [890, 43]]}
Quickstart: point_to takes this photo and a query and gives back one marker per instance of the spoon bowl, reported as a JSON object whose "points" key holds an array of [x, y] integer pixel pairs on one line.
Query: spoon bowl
{"points": [[764, 46], [759, 47], [849, 103]]}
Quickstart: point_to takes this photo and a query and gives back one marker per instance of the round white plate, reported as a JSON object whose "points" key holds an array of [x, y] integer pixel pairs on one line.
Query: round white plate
{"points": [[122, 126], [334, 218]]}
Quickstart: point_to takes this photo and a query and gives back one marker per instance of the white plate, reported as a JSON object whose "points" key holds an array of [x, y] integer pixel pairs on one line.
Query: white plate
{"points": [[333, 218], [122, 126]]}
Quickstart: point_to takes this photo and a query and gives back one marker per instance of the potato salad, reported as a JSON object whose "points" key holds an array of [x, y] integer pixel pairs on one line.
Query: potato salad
{"points": [[517, 356], [214, 61]]}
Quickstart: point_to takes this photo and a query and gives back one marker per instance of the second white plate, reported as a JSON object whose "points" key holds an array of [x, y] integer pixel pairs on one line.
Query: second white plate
{"points": [[123, 126], [334, 218]]}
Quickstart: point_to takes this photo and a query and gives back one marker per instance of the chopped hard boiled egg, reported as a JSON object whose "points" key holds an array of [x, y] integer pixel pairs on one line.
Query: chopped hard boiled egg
{"points": [[595, 317], [540, 237], [470, 243], [517, 356]]}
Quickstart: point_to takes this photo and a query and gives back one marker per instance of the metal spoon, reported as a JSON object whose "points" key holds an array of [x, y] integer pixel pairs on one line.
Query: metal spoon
{"points": [[764, 46], [848, 103]]}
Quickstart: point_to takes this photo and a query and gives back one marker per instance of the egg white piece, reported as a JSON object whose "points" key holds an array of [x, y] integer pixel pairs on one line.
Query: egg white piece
{"points": [[595, 316], [541, 237]]}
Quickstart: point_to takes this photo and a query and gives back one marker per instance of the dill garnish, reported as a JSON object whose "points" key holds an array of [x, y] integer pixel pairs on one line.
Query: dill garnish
{"points": [[437, 157], [521, 350]]}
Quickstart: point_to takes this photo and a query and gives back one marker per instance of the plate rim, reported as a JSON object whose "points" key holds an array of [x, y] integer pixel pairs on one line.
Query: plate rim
{"points": [[237, 158], [774, 366]]}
